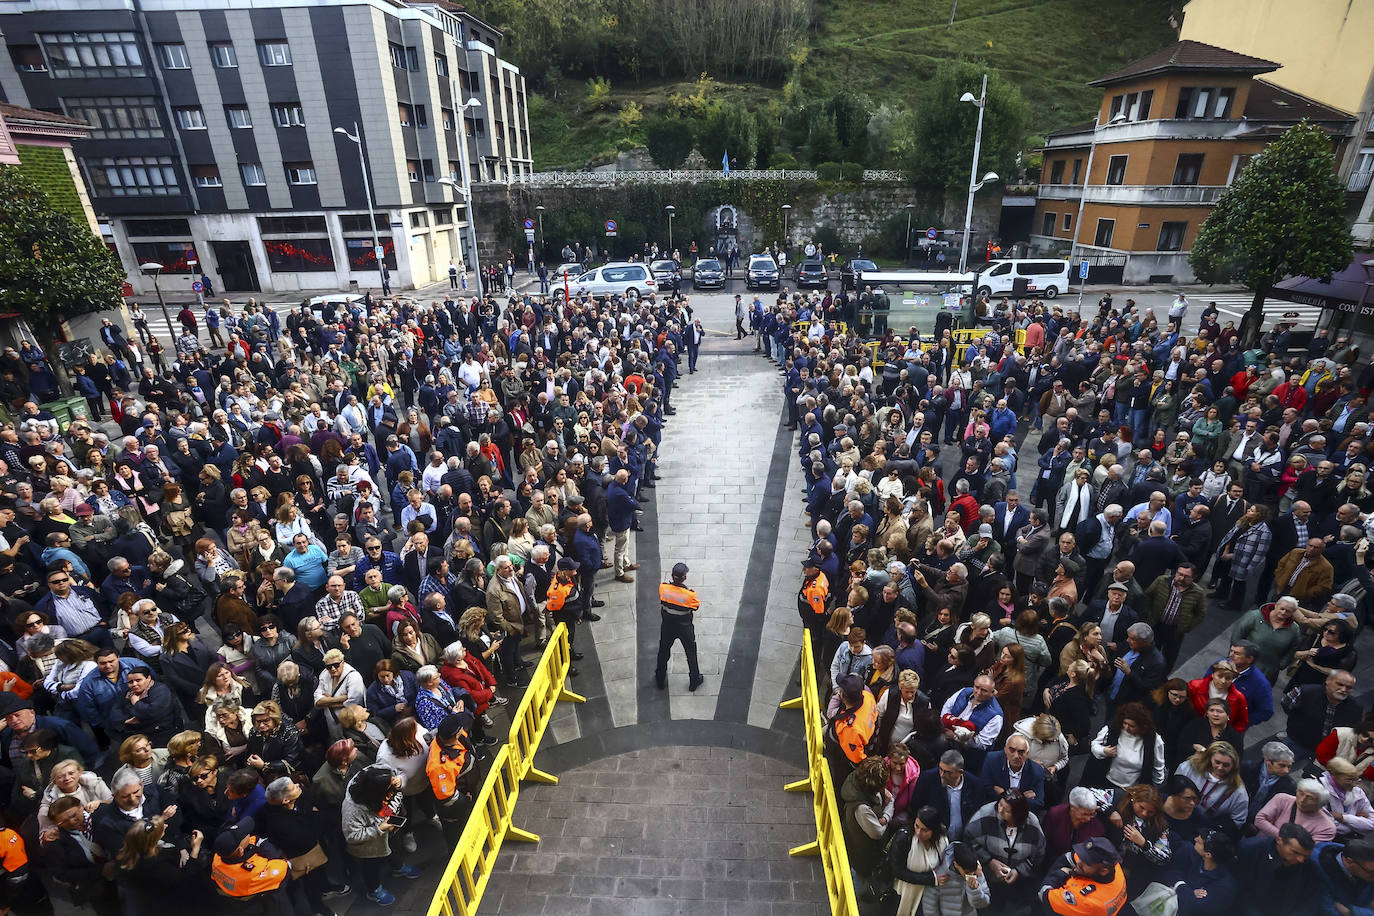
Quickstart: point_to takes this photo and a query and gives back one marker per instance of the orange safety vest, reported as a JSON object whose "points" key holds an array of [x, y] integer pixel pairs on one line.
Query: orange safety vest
{"points": [[14, 855], [677, 600], [816, 592], [1089, 897], [249, 878], [558, 594], [854, 730], [444, 768]]}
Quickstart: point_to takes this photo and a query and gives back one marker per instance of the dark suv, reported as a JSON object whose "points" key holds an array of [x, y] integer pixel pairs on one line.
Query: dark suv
{"points": [[811, 274], [852, 267], [762, 273], [708, 274]]}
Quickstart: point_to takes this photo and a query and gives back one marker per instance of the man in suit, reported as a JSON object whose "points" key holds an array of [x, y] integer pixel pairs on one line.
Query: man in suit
{"points": [[1156, 554], [1009, 517], [1114, 615], [952, 792], [1138, 671], [75, 859], [132, 802], [1012, 768], [1268, 775], [1290, 529], [1305, 573], [1031, 542], [1096, 537], [1226, 511]]}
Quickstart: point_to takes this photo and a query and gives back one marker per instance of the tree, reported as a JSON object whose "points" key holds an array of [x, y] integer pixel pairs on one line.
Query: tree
{"points": [[630, 117], [729, 128], [669, 139], [52, 267], [945, 127], [1283, 216]]}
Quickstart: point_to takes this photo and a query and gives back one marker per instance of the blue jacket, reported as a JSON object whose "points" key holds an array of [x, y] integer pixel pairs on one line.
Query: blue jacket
{"points": [[620, 507], [997, 773], [96, 696], [1339, 887], [587, 550], [67, 733]]}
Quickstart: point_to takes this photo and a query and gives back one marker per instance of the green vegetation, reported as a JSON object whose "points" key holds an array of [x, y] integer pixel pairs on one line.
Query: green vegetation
{"points": [[840, 80]]}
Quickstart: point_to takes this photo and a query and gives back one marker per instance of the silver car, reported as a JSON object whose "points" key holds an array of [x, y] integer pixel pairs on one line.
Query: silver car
{"points": [[624, 279]]}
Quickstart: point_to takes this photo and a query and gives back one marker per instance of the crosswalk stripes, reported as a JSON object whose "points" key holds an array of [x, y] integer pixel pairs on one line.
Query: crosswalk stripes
{"points": [[1234, 306]]}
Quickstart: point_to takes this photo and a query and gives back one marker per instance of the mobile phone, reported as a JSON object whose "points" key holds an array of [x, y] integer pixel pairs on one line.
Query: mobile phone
{"points": [[396, 821]]}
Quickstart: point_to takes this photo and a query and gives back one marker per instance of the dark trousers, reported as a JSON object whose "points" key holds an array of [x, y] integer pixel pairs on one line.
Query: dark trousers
{"points": [[588, 583], [674, 629], [569, 617], [1169, 638], [509, 653]]}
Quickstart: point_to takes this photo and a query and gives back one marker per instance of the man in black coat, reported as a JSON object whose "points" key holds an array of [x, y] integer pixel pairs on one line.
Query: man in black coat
{"points": [[950, 790], [1315, 709], [1138, 670], [1114, 615], [1268, 775], [1279, 873], [132, 802]]}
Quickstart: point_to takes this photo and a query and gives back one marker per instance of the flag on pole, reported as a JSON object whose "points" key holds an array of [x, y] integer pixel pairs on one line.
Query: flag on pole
{"points": [[725, 162]]}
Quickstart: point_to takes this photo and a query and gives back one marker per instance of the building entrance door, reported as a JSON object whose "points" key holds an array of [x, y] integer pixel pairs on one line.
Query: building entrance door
{"points": [[236, 270]]}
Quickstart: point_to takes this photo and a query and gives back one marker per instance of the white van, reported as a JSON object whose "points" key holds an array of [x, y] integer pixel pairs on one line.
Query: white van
{"points": [[1045, 277], [629, 279]]}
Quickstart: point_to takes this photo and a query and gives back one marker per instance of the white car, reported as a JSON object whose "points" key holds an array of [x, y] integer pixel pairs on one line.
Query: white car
{"points": [[623, 279]]}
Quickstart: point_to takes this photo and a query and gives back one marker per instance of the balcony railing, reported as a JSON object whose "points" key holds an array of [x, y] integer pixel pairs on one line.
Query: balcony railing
{"points": [[1359, 181], [666, 176], [1137, 193]]}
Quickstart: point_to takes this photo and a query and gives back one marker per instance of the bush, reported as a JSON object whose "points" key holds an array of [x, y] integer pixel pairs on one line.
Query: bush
{"points": [[630, 117], [828, 171], [598, 93], [851, 172], [783, 160], [669, 139]]}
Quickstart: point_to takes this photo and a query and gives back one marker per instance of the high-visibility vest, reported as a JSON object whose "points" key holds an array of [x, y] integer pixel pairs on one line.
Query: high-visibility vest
{"points": [[14, 855], [253, 876], [854, 730], [677, 600], [1088, 896], [558, 594], [444, 767], [816, 592]]}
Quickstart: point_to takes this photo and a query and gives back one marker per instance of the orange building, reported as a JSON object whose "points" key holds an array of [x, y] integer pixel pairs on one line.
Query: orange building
{"points": [[1173, 131]]}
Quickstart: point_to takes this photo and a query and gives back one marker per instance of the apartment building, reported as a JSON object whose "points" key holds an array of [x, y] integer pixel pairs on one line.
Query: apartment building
{"points": [[215, 143]]}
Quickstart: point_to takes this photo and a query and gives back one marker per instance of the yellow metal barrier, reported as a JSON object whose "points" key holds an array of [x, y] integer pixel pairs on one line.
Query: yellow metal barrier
{"points": [[829, 842], [469, 868]]}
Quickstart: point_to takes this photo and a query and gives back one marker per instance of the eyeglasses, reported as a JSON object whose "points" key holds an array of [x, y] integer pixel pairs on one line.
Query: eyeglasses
{"points": [[332, 665], [61, 581], [267, 626]]}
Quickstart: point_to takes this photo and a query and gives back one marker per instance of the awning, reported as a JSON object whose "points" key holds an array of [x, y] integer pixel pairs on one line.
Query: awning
{"points": [[1341, 293]]}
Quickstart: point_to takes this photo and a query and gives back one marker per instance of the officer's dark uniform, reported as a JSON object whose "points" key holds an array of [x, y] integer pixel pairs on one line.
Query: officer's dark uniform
{"points": [[678, 604]]}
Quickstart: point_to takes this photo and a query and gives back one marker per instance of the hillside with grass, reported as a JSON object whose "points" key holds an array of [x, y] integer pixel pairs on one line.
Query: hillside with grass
{"points": [[829, 80]]}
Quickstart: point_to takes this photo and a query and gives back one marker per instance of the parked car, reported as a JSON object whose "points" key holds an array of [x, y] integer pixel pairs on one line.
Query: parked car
{"points": [[573, 269], [851, 267], [622, 279], [708, 274], [762, 273], [1047, 277], [811, 274], [667, 273]]}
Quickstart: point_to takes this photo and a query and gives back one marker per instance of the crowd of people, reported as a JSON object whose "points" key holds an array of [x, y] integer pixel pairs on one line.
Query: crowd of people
{"points": [[1011, 548], [255, 638]]}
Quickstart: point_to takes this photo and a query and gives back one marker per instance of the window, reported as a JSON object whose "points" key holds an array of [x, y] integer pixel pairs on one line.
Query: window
{"points": [[398, 56], [300, 172], [274, 53], [419, 220], [1189, 168], [1047, 223], [189, 118], [299, 255], [359, 222], [1134, 105], [413, 169], [446, 118], [443, 217], [253, 175], [403, 114], [28, 59], [239, 116], [1103, 237], [288, 115], [175, 257], [1039, 268], [1195, 102], [132, 176], [1057, 172], [1077, 171], [117, 117], [284, 225], [427, 169], [223, 55], [421, 116], [475, 127], [206, 176], [454, 170], [1068, 221], [1116, 170], [441, 65], [362, 256], [1171, 236], [173, 57], [93, 55], [1239, 163], [145, 228]]}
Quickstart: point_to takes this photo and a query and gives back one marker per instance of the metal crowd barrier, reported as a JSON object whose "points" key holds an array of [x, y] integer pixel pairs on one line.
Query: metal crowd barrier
{"points": [[469, 868], [829, 842]]}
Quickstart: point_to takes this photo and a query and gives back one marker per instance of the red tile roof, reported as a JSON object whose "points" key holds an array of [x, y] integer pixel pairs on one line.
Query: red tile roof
{"points": [[1188, 56]]}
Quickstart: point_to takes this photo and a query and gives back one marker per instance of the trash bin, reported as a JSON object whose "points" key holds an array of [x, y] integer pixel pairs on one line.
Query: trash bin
{"points": [[60, 410], [78, 408]]}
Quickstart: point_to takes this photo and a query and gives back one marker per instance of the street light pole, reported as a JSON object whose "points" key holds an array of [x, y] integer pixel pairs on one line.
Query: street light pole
{"points": [[152, 269], [671, 211], [466, 189], [973, 183], [539, 209], [786, 212], [357, 137], [1082, 198], [907, 258]]}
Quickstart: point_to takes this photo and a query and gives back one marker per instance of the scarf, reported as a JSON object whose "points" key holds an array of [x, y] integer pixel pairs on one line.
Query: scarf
{"points": [[918, 859]]}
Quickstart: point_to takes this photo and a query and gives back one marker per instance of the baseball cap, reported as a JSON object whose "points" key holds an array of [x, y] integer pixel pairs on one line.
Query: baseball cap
{"points": [[1097, 851], [568, 563], [985, 531], [84, 509], [453, 725], [680, 570], [230, 838]]}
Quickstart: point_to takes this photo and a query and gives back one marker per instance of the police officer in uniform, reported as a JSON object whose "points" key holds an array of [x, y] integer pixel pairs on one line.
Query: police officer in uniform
{"points": [[678, 604]]}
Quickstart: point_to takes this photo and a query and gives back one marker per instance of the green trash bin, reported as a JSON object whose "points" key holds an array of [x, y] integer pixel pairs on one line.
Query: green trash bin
{"points": [[78, 408], [59, 410]]}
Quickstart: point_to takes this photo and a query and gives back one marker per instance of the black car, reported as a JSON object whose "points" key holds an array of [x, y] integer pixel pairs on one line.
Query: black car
{"points": [[708, 274], [851, 268], [762, 273], [811, 274], [667, 274]]}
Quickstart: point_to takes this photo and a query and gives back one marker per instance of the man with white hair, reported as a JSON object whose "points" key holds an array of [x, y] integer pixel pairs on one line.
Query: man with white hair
{"points": [[1276, 635], [1075, 821]]}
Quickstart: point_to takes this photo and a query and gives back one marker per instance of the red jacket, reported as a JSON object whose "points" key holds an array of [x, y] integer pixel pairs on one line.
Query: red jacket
{"points": [[967, 506], [1291, 395], [1240, 711], [475, 679]]}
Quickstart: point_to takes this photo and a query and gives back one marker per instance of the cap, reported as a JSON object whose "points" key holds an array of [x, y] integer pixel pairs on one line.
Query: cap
{"points": [[84, 509], [1117, 587], [12, 702], [810, 563], [230, 838], [453, 725], [985, 531], [680, 570], [1097, 851], [851, 687], [568, 563], [148, 424], [332, 656]]}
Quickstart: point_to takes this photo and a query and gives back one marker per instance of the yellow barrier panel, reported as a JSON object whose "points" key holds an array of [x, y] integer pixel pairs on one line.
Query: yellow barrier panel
{"points": [[469, 868], [829, 842]]}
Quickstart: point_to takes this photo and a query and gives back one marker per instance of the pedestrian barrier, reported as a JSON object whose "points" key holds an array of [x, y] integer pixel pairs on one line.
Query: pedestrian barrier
{"points": [[829, 842], [469, 868]]}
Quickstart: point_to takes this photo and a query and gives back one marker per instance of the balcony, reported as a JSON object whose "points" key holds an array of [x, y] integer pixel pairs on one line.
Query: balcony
{"points": [[1154, 129], [1136, 193], [1359, 180]]}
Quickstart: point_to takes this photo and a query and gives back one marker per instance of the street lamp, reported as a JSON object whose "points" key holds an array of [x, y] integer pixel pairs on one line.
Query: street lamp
{"points": [[671, 211], [973, 183], [152, 269], [1082, 198], [465, 188], [786, 212], [539, 209], [909, 208], [357, 137]]}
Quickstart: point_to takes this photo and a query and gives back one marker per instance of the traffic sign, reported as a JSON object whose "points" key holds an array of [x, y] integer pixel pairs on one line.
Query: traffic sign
{"points": [[197, 287], [1083, 271], [380, 252], [529, 224], [610, 227], [930, 233], [127, 289], [529, 234]]}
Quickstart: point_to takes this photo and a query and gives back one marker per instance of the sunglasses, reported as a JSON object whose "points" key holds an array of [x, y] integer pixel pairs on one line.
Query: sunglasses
{"points": [[332, 665], [265, 627], [201, 777], [64, 579]]}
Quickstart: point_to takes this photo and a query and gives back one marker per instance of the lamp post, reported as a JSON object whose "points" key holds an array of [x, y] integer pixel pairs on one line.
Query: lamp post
{"points": [[357, 137], [909, 208], [671, 211], [1082, 198], [786, 212], [539, 211], [973, 183], [465, 187], [152, 269]]}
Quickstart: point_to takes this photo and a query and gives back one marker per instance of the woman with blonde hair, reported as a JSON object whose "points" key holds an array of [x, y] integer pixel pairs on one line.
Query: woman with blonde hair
{"points": [[70, 778]]}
